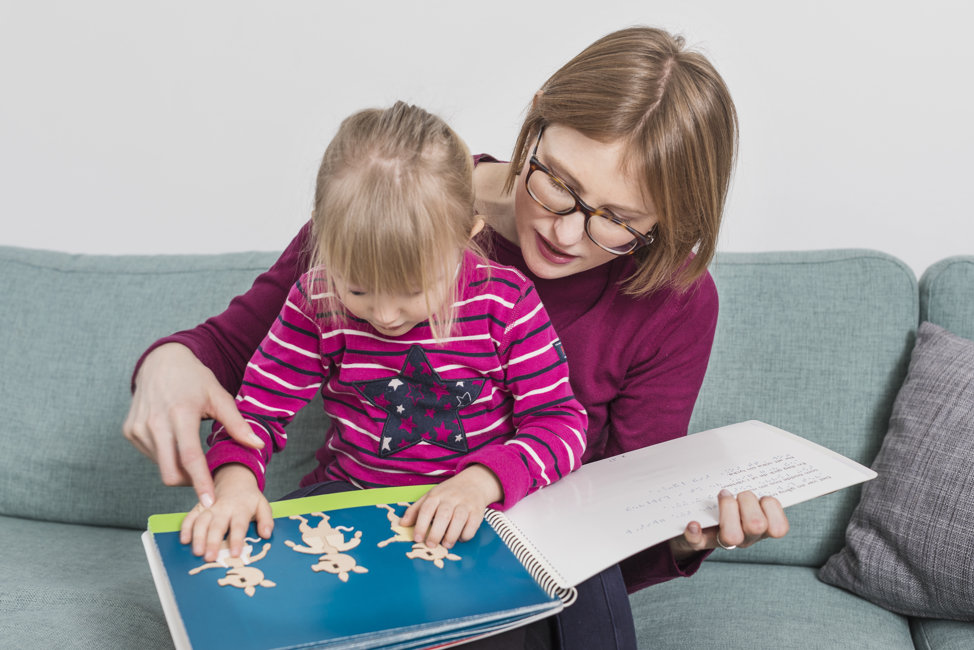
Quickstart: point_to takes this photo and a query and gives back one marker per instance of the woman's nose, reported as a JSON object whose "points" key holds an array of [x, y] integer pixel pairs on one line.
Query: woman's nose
{"points": [[569, 228]]}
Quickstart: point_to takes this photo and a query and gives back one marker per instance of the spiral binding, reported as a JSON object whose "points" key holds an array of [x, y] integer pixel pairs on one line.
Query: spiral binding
{"points": [[527, 556]]}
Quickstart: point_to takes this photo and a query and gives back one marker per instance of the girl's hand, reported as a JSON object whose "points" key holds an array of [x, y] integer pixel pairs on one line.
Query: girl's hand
{"points": [[238, 501], [173, 393], [455, 508], [744, 520]]}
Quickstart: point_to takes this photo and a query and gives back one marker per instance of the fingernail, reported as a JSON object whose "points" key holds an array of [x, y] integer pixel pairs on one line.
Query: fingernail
{"points": [[255, 439], [206, 500], [725, 493]]}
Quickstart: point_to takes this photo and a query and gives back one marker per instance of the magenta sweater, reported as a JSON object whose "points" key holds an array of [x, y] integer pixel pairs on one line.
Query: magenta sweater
{"points": [[409, 409], [636, 363]]}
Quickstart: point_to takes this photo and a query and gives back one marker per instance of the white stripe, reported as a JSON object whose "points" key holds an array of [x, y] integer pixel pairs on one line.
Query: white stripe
{"points": [[538, 391], [498, 422], [533, 456], [568, 450], [488, 398], [248, 398], [461, 366], [581, 442], [371, 366], [500, 270], [380, 470], [400, 340], [280, 381], [294, 307], [529, 355], [270, 434], [355, 427], [294, 348], [486, 296], [523, 319]]}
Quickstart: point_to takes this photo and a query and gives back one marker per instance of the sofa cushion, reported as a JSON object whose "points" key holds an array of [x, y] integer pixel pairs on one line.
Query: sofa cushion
{"points": [[735, 605], [934, 634], [817, 343], [68, 586], [947, 295], [72, 328], [910, 543]]}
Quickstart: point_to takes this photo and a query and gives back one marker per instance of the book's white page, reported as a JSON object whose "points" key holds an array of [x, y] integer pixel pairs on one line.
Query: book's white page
{"points": [[612, 508], [176, 628]]}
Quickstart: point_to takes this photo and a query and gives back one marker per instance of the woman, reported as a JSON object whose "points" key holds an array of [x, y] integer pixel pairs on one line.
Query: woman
{"points": [[611, 205]]}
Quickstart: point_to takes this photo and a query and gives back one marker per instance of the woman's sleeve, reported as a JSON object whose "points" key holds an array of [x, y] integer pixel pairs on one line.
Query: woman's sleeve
{"points": [[225, 342], [657, 401]]}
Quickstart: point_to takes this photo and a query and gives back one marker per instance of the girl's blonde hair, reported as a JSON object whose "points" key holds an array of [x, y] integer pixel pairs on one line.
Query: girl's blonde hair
{"points": [[675, 115], [393, 208]]}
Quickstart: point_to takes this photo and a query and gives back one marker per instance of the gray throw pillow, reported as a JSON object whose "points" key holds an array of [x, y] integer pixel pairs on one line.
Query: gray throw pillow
{"points": [[910, 542]]}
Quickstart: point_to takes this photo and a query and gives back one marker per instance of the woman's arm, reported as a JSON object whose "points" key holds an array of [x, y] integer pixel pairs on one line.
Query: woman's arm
{"points": [[662, 389], [192, 375]]}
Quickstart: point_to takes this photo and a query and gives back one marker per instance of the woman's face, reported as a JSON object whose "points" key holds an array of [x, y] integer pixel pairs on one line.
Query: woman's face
{"points": [[556, 246]]}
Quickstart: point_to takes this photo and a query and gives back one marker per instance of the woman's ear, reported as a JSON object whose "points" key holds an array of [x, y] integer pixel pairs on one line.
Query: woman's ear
{"points": [[478, 225]]}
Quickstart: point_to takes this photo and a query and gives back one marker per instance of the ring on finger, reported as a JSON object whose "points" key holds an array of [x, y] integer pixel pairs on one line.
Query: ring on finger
{"points": [[724, 546]]}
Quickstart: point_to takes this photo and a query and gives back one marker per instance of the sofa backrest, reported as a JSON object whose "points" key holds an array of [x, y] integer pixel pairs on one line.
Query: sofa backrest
{"points": [[947, 295], [71, 329], [816, 343]]}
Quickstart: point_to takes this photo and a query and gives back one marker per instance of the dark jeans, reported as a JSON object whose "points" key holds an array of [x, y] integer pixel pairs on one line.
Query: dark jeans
{"points": [[599, 618]]}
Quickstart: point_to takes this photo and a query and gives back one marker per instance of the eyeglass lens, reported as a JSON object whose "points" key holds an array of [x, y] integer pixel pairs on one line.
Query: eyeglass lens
{"points": [[553, 195]]}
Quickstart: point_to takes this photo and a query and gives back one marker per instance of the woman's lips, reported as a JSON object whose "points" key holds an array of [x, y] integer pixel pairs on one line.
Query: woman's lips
{"points": [[550, 253]]}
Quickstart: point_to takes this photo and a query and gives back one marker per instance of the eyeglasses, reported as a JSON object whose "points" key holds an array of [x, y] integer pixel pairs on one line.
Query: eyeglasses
{"points": [[608, 231]]}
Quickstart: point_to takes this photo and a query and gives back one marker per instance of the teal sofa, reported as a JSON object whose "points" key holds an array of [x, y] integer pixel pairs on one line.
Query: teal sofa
{"points": [[814, 342]]}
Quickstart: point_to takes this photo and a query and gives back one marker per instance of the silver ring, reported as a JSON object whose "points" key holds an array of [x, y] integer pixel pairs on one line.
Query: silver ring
{"points": [[721, 544]]}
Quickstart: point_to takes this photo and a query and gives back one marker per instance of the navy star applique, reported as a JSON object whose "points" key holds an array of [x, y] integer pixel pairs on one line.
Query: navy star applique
{"points": [[420, 406]]}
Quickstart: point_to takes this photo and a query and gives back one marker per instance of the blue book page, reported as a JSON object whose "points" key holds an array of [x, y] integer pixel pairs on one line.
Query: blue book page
{"points": [[345, 574]]}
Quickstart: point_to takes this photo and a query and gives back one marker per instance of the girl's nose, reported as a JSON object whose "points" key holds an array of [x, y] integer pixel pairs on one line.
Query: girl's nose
{"points": [[386, 312]]}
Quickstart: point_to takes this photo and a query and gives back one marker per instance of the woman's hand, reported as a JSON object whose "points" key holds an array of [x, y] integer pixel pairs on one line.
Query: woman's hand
{"points": [[238, 501], [454, 509], [173, 393], [744, 520]]}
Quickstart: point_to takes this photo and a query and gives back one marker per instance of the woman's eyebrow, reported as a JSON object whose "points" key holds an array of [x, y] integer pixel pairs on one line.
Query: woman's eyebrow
{"points": [[554, 165]]}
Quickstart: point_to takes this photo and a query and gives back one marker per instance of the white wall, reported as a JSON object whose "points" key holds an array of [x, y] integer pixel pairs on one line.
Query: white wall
{"points": [[185, 126]]}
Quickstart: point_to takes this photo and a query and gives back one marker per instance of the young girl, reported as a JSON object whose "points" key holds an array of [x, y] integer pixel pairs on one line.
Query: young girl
{"points": [[434, 364]]}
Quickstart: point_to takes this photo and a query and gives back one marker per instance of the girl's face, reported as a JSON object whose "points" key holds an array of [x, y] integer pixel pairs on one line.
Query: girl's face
{"points": [[392, 314], [556, 246]]}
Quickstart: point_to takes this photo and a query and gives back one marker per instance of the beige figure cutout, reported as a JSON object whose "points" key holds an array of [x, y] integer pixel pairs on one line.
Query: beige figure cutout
{"points": [[339, 564], [239, 573], [323, 538], [402, 533], [436, 555]]}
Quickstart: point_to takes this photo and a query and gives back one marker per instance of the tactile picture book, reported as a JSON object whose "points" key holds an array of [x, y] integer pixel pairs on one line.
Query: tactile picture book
{"points": [[340, 571]]}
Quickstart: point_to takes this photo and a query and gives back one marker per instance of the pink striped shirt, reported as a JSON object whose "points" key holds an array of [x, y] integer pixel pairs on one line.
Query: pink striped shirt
{"points": [[409, 409]]}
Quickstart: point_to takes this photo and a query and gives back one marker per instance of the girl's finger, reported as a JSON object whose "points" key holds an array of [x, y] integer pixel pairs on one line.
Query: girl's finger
{"points": [[444, 515]]}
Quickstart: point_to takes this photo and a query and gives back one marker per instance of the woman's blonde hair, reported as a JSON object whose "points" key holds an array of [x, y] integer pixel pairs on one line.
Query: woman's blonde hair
{"points": [[674, 113], [393, 208]]}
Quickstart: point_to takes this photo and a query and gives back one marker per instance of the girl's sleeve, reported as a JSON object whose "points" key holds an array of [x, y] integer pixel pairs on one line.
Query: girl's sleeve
{"points": [[656, 403], [550, 423], [283, 375], [225, 342]]}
